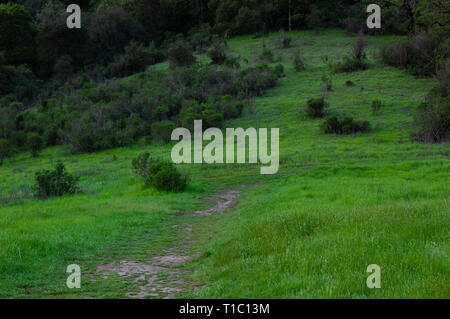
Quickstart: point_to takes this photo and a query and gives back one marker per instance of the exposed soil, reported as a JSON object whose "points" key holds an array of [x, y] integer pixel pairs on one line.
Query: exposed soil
{"points": [[163, 276]]}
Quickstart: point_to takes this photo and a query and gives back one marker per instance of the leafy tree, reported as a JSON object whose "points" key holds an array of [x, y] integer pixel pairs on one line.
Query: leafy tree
{"points": [[17, 34], [34, 144]]}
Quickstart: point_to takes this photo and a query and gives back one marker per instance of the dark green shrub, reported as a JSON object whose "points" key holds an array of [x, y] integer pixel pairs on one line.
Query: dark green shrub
{"points": [[217, 53], [396, 54], [34, 144], [55, 183], [134, 60], [443, 76], [349, 83], [432, 121], [376, 107], [266, 54], [162, 131], [332, 125], [279, 71], [5, 149], [180, 53], [298, 62], [351, 65], [141, 164], [358, 59], [164, 176], [63, 68], [315, 107]]}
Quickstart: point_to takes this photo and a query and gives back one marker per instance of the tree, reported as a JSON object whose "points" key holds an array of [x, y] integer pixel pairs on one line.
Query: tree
{"points": [[34, 144], [17, 34], [4, 149]]}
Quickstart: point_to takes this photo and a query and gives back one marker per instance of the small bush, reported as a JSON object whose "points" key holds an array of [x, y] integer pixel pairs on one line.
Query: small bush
{"points": [[164, 176], [315, 107], [284, 40], [217, 53], [55, 183], [141, 164], [358, 59], [376, 107], [432, 121], [443, 76], [266, 54], [134, 60], [63, 68], [351, 65], [180, 53], [279, 71], [5, 149], [162, 131], [349, 83], [34, 144], [332, 125], [298, 62], [396, 54]]}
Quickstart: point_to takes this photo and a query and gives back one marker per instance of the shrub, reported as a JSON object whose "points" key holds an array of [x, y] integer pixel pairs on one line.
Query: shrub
{"points": [[34, 144], [279, 71], [266, 54], [217, 53], [298, 62], [432, 121], [349, 83], [443, 76], [55, 183], [284, 40], [315, 107], [422, 61], [162, 131], [5, 149], [376, 106], [358, 50], [63, 68], [358, 59], [396, 54], [350, 65], [165, 177], [180, 53], [141, 164], [332, 125], [134, 60]]}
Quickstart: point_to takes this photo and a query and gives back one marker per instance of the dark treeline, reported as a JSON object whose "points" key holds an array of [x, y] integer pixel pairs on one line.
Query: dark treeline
{"points": [[35, 34]]}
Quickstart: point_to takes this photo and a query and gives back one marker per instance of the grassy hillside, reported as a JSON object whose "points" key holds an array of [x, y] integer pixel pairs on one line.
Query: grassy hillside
{"points": [[338, 203]]}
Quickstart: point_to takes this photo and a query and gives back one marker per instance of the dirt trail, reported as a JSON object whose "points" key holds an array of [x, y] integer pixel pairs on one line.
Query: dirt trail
{"points": [[163, 276]]}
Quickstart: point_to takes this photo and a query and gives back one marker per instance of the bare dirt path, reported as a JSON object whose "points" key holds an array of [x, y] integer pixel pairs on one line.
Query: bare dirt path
{"points": [[164, 276]]}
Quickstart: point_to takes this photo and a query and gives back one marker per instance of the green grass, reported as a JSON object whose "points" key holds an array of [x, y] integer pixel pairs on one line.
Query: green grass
{"points": [[338, 203]]}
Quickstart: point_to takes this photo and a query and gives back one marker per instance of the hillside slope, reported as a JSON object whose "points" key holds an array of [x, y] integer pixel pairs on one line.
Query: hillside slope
{"points": [[337, 205]]}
